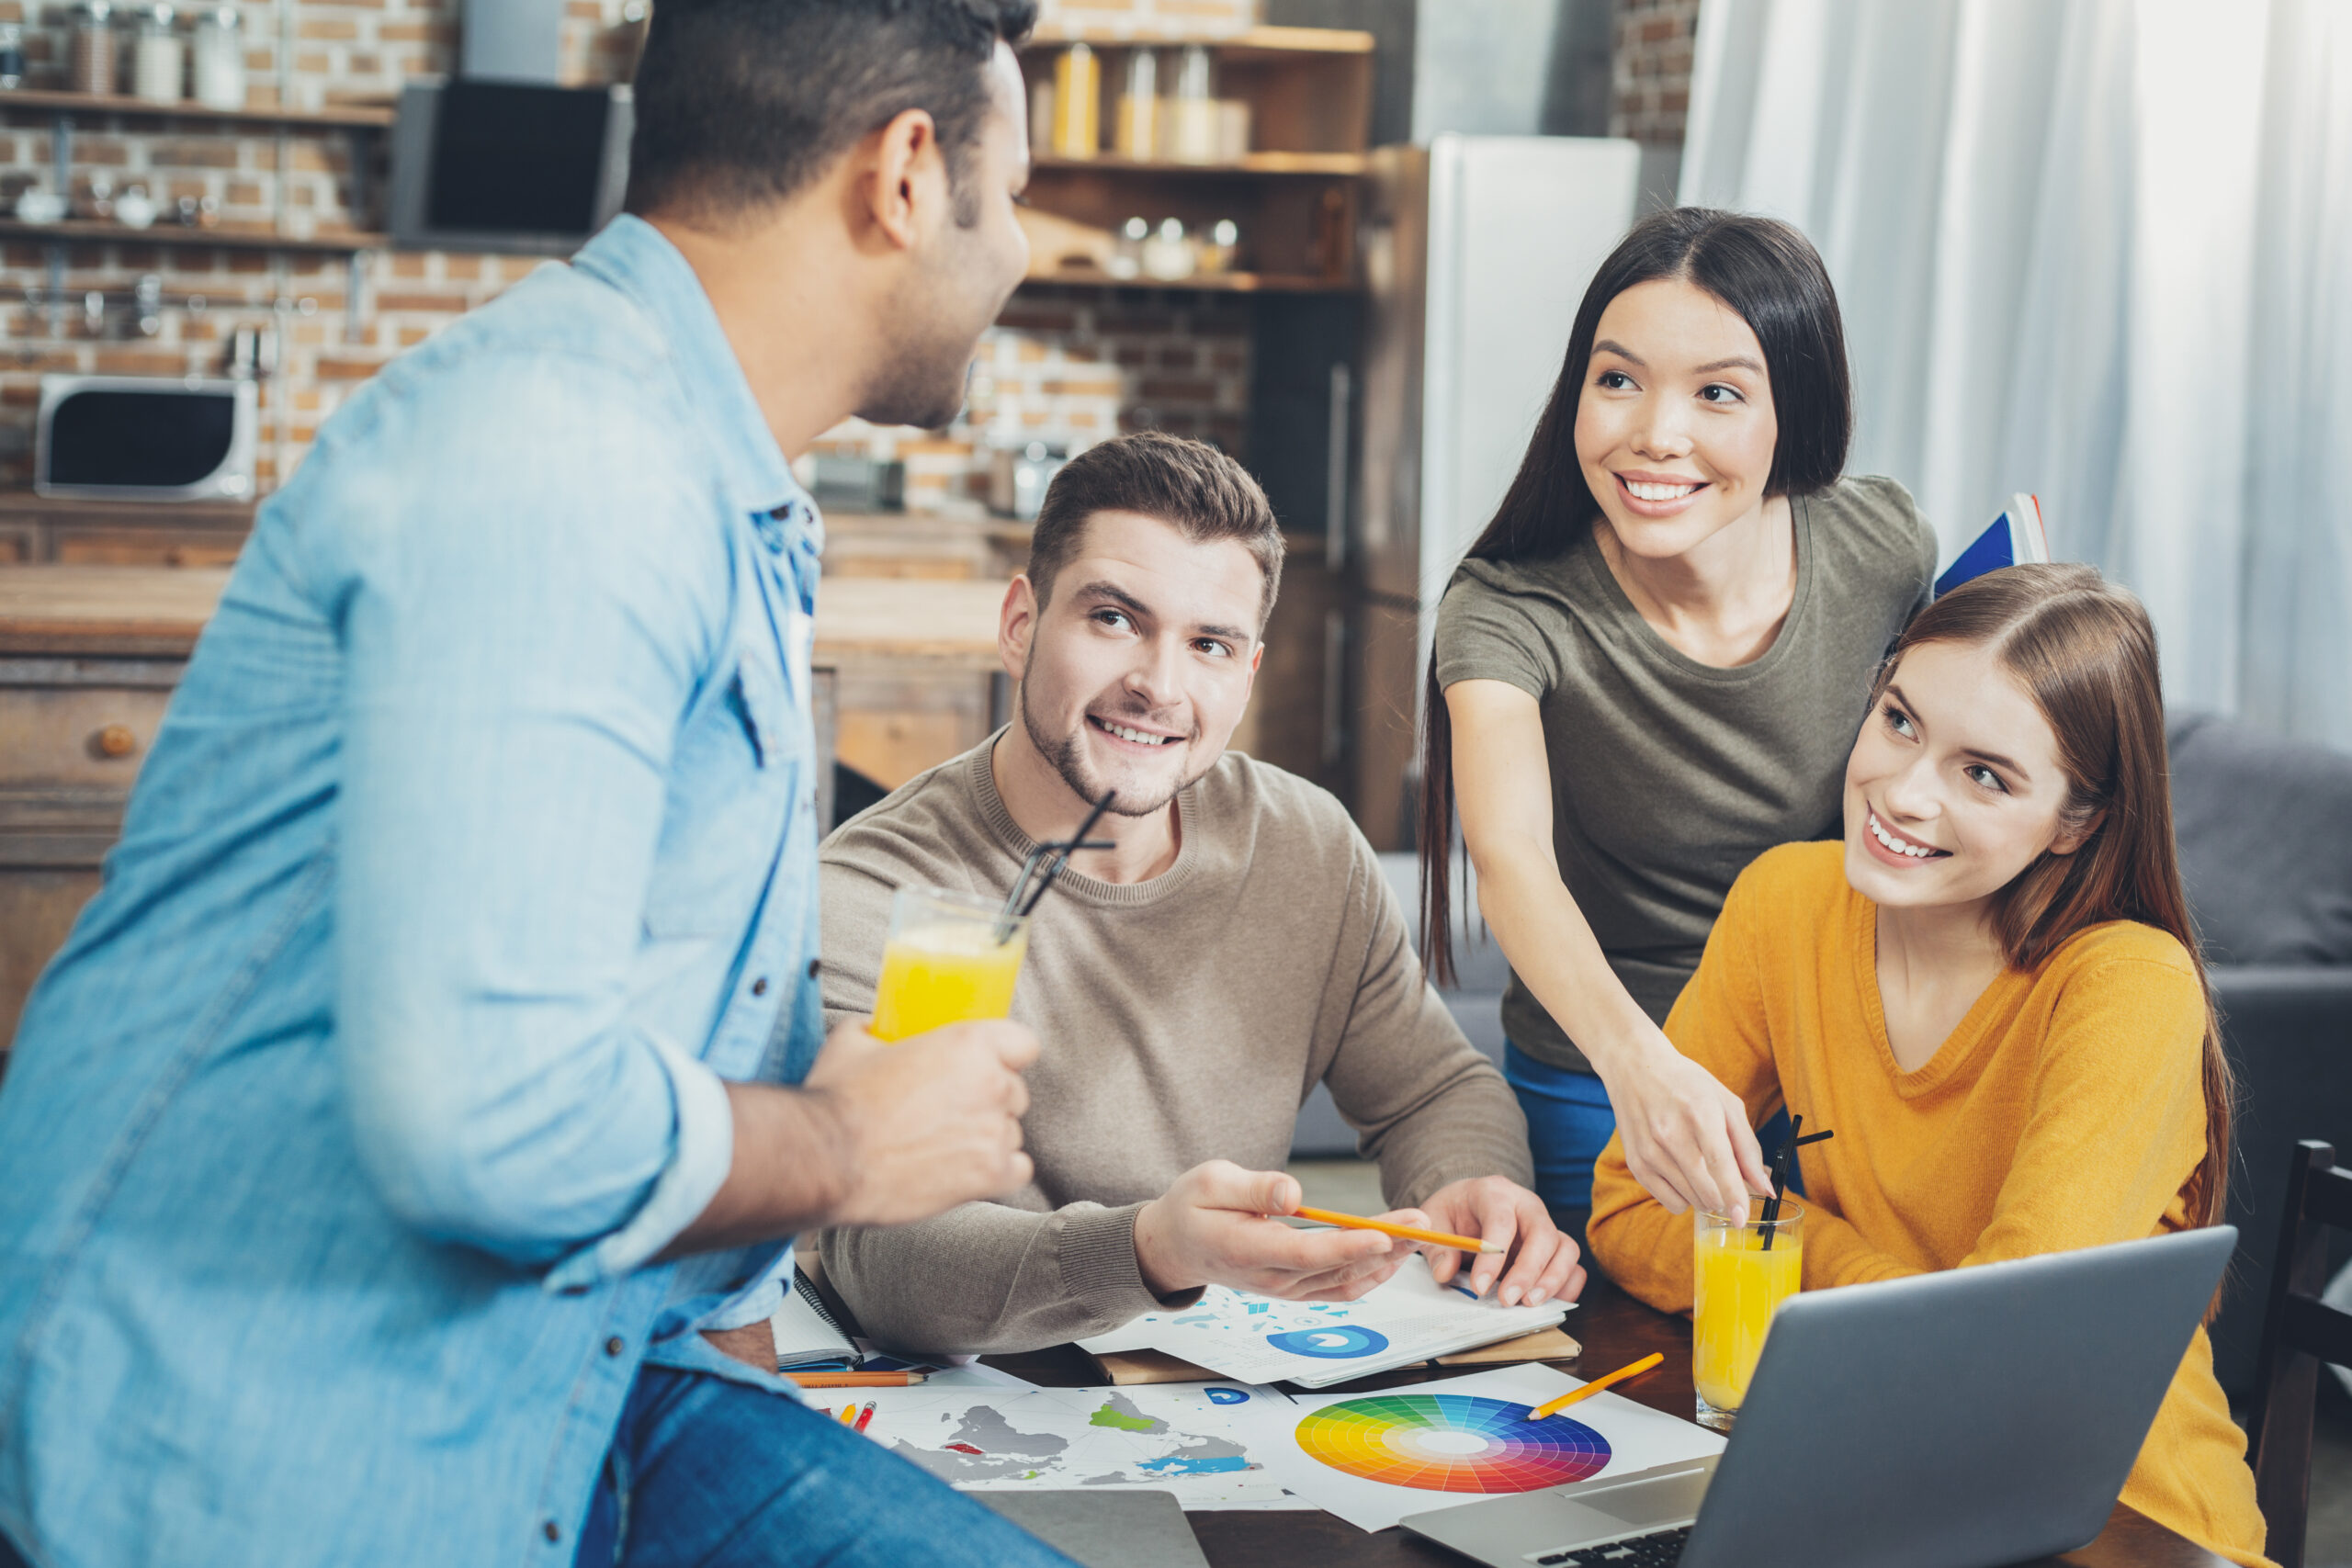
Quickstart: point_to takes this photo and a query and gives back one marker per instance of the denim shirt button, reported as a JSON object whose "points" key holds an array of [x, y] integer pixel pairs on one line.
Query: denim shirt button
{"points": [[616, 1345], [760, 986], [814, 965], [552, 1530]]}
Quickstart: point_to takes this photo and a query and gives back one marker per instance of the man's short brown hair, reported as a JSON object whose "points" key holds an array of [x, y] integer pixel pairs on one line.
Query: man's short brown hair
{"points": [[1190, 485]]}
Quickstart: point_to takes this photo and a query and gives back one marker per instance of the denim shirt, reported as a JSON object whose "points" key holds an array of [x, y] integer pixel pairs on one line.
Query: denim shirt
{"points": [[477, 848]]}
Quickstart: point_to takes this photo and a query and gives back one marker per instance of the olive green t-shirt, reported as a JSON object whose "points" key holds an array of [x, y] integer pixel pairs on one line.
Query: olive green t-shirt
{"points": [[1669, 775]]}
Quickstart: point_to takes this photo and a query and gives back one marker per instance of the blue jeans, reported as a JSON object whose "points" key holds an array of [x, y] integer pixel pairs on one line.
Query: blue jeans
{"points": [[1568, 1123], [717, 1474]]}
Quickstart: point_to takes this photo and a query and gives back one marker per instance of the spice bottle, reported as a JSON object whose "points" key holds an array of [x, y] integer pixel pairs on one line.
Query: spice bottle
{"points": [[1138, 129], [1078, 98], [12, 55], [159, 58], [1193, 114], [90, 62], [220, 59]]}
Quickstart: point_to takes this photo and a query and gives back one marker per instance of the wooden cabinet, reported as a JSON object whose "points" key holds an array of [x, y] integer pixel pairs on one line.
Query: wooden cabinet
{"points": [[89, 660], [39, 530]]}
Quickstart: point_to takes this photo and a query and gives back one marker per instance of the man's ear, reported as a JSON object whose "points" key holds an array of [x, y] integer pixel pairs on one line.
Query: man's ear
{"points": [[1016, 624], [908, 181]]}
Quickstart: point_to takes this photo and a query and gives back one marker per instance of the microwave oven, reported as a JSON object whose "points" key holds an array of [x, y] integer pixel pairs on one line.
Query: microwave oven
{"points": [[146, 438]]}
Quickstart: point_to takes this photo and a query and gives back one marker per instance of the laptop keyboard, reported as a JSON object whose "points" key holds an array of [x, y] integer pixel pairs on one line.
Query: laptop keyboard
{"points": [[1660, 1550]]}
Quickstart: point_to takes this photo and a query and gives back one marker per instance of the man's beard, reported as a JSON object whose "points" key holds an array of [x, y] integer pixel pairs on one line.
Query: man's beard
{"points": [[922, 379], [1067, 753], [922, 384]]}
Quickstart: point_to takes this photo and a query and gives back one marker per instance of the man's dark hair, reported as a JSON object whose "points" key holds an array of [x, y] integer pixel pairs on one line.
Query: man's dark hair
{"points": [[1189, 485], [741, 103]]}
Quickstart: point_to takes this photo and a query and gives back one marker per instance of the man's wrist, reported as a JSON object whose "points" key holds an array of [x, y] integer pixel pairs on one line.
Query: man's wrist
{"points": [[1151, 1263], [830, 1140]]}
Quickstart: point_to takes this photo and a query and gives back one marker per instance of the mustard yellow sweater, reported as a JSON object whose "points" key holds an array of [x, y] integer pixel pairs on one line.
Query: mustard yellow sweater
{"points": [[2064, 1111]]}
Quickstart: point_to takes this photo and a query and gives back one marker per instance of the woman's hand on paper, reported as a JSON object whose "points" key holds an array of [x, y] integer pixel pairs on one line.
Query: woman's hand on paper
{"points": [[1542, 1265], [1211, 1227]]}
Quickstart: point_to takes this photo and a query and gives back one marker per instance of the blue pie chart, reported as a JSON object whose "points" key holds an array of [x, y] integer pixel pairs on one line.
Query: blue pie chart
{"points": [[1334, 1342]]}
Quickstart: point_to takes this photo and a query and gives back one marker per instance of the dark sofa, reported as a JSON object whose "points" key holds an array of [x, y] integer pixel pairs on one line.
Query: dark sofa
{"points": [[2265, 849]]}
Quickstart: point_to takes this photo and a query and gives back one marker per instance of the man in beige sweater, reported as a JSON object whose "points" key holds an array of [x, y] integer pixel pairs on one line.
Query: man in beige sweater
{"points": [[1190, 985]]}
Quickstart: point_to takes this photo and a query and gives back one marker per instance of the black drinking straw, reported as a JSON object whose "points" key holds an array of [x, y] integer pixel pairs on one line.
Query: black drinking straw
{"points": [[1055, 856], [1781, 1174]]}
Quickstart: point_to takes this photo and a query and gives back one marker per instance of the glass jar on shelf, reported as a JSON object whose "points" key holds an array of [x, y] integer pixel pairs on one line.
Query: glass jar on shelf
{"points": [[1192, 112], [1138, 135], [1171, 254], [220, 65], [1077, 103], [1126, 260], [89, 64], [159, 57], [1222, 248], [12, 55]]}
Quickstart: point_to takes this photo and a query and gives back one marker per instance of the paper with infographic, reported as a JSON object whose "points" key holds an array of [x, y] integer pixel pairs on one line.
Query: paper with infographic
{"points": [[1204, 1442], [1374, 1458], [1409, 1319]]}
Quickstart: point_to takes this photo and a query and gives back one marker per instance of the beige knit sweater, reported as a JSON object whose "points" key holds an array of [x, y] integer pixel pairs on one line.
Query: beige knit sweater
{"points": [[1182, 1019]]}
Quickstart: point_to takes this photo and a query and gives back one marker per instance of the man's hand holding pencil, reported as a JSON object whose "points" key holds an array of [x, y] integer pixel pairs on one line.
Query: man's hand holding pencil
{"points": [[1219, 1224]]}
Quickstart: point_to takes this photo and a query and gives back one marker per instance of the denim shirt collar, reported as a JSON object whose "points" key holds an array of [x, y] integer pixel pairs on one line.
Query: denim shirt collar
{"points": [[633, 256]]}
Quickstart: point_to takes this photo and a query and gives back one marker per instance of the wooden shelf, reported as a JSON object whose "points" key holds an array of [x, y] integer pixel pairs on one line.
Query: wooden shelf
{"points": [[1214, 282], [343, 117], [87, 232], [1342, 165], [1256, 41]]}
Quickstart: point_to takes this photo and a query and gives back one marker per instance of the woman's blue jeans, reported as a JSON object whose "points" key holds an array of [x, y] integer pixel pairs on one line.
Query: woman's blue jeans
{"points": [[1568, 1123]]}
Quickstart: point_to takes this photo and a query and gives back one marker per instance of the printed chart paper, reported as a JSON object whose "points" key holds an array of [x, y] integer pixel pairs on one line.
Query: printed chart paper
{"points": [[1203, 1443], [1315, 1344], [1374, 1458]]}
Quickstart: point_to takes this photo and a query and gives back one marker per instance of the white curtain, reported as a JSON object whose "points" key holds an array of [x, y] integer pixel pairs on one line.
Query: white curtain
{"points": [[2099, 250]]}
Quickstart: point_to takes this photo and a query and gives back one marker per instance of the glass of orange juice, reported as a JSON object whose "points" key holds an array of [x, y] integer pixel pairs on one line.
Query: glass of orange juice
{"points": [[1745, 1269], [951, 958]]}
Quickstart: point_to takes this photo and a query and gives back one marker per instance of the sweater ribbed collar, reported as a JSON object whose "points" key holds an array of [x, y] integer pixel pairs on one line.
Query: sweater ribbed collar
{"points": [[979, 777]]}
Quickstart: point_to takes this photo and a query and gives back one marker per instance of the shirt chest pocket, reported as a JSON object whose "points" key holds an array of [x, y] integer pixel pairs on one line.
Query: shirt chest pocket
{"points": [[731, 778]]}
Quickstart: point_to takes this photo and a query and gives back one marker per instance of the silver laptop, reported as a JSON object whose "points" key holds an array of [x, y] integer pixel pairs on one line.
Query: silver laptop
{"points": [[1961, 1419]]}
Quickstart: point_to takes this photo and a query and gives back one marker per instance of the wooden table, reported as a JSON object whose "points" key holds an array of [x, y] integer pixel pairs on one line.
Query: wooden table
{"points": [[1614, 1330]]}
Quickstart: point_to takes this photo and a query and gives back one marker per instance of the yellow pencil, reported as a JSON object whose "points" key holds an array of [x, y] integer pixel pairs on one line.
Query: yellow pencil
{"points": [[1410, 1233], [1595, 1385], [857, 1379]]}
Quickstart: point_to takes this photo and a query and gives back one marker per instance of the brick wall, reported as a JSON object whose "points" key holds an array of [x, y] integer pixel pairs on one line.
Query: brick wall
{"points": [[1652, 87], [1066, 367]]}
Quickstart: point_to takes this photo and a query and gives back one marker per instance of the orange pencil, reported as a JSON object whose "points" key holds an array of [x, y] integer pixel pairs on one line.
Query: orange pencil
{"points": [[857, 1379], [1410, 1233], [1595, 1385]]}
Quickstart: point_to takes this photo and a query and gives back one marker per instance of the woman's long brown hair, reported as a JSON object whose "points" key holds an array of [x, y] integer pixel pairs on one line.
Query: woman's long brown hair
{"points": [[1771, 274], [2084, 650]]}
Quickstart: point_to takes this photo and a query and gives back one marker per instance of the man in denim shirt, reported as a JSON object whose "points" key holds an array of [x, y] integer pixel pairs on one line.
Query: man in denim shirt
{"points": [[396, 1165]]}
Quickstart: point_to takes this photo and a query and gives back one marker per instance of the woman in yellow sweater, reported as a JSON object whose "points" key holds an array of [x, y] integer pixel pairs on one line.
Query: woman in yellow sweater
{"points": [[1990, 991]]}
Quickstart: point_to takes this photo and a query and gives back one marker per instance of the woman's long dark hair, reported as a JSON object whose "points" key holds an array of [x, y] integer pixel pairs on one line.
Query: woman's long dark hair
{"points": [[2084, 650], [1772, 277]]}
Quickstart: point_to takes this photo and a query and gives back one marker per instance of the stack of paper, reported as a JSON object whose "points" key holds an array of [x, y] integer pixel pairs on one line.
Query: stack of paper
{"points": [[1259, 1339]]}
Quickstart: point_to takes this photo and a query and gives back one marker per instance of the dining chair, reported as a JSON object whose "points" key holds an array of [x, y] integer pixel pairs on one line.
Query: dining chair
{"points": [[2298, 1332]]}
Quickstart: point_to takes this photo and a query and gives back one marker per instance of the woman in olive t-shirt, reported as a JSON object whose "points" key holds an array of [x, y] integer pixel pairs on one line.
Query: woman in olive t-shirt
{"points": [[1649, 670]]}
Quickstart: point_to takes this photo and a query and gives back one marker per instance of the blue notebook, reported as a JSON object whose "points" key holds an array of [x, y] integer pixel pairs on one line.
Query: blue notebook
{"points": [[2013, 538]]}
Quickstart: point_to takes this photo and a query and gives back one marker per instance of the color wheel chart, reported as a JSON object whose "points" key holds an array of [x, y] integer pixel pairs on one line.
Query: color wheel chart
{"points": [[1451, 1442]]}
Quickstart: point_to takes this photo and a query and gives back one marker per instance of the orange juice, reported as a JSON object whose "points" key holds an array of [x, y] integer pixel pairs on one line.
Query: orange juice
{"points": [[1737, 1285], [945, 973]]}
